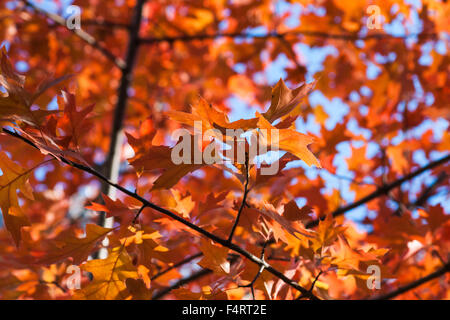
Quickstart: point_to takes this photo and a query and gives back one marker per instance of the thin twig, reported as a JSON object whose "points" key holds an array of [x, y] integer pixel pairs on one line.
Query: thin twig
{"points": [[177, 265], [83, 35], [138, 214], [176, 217], [301, 296], [260, 271], [424, 196], [244, 198]]}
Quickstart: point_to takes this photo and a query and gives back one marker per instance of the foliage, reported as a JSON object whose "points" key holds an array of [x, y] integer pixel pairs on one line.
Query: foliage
{"points": [[87, 130]]}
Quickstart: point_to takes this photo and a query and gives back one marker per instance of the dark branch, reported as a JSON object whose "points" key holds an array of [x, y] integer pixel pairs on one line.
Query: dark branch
{"points": [[301, 296], [112, 163], [424, 196], [195, 276], [177, 265], [414, 284], [244, 199], [383, 190], [83, 35], [318, 34], [260, 271], [174, 216], [138, 214]]}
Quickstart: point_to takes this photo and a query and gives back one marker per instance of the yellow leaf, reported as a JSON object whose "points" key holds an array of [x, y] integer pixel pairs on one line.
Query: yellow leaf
{"points": [[289, 140], [109, 277], [14, 178]]}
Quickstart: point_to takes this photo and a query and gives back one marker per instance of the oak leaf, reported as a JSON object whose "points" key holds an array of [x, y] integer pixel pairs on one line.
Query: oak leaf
{"points": [[14, 178], [214, 257], [284, 100], [289, 140], [67, 245], [109, 277]]}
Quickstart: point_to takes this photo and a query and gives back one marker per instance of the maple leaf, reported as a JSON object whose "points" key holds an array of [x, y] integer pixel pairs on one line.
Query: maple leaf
{"points": [[14, 178], [284, 100], [67, 245], [109, 277]]}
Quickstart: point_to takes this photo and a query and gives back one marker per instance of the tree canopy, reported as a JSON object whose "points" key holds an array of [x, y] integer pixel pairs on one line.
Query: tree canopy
{"points": [[311, 135]]}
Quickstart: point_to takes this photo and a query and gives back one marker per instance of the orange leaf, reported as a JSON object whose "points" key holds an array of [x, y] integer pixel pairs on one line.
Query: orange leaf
{"points": [[284, 100], [14, 178], [214, 257]]}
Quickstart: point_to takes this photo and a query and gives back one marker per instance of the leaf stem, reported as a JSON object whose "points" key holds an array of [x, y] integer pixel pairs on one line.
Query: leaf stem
{"points": [[244, 199]]}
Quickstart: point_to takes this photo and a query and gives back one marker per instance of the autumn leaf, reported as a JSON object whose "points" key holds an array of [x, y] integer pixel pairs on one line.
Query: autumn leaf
{"points": [[148, 246], [113, 208], [270, 212], [137, 289], [293, 213], [14, 178], [284, 100], [368, 152], [67, 245], [16, 105], [210, 118], [74, 121], [214, 257], [326, 233], [109, 276], [289, 140], [160, 158]]}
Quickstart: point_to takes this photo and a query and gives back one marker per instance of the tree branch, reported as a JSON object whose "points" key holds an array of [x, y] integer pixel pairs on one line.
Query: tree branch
{"points": [[424, 196], [176, 265], [260, 271], [244, 198], [308, 33], [105, 23], [83, 35], [414, 284], [112, 163], [176, 217], [181, 282], [224, 242], [382, 190]]}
